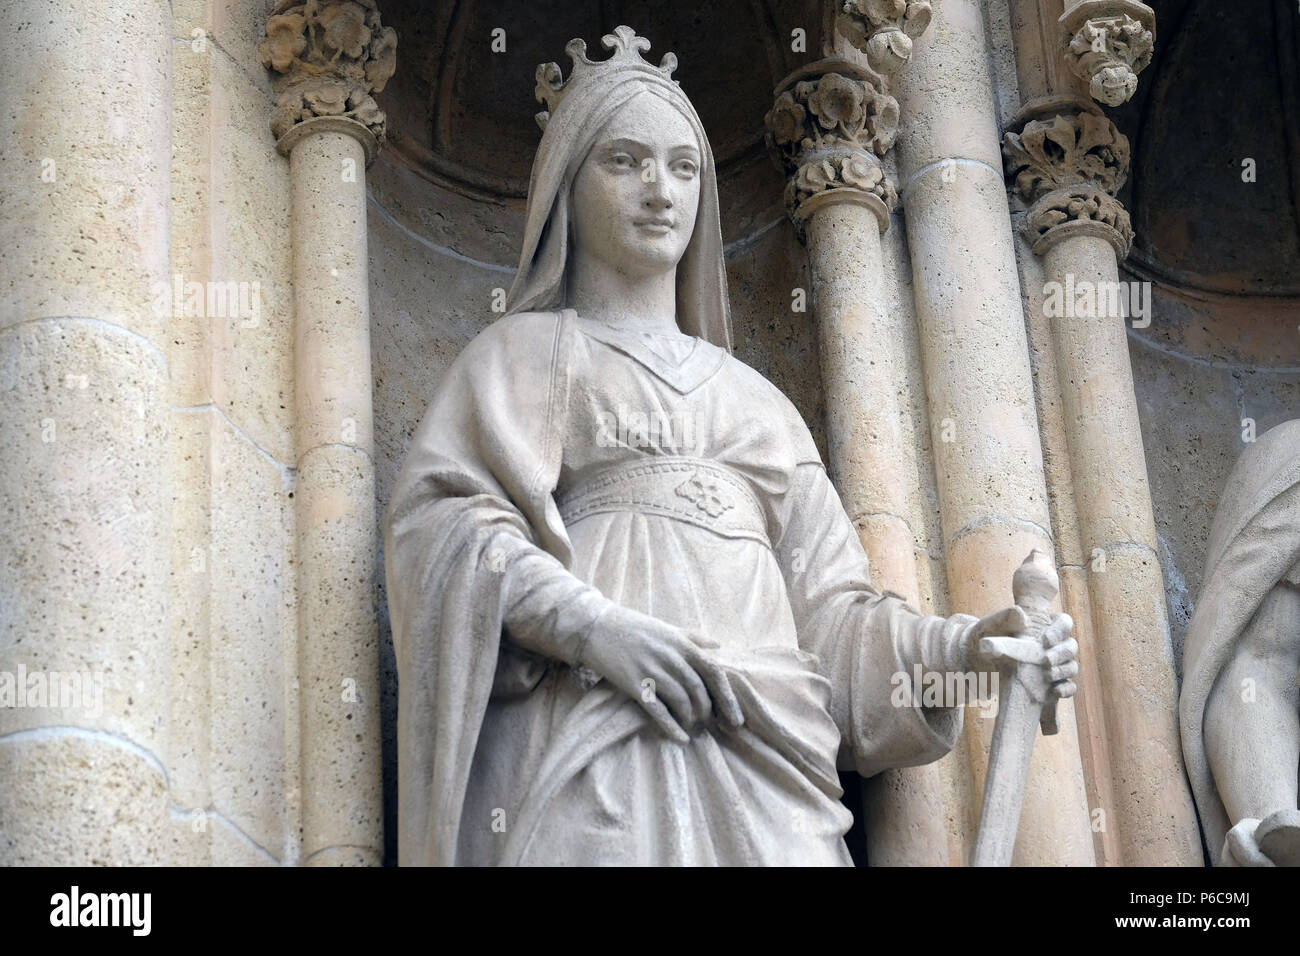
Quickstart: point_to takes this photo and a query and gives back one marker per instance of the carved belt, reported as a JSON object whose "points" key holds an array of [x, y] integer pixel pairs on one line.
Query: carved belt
{"points": [[694, 490]]}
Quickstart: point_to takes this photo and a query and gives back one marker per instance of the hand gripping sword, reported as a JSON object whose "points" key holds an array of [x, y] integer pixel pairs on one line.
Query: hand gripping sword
{"points": [[1034, 586]]}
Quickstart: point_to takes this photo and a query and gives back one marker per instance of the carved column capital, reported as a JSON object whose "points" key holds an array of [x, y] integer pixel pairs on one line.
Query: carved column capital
{"points": [[1108, 43], [884, 30], [332, 56], [1082, 209], [1070, 144], [827, 130], [1067, 161]]}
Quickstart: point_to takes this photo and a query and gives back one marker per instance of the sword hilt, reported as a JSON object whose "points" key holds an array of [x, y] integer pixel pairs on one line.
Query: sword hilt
{"points": [[1034, 587]]}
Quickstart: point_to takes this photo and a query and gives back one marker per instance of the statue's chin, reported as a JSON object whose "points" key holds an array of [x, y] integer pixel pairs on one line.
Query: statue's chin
{"points": [[649, 259]]}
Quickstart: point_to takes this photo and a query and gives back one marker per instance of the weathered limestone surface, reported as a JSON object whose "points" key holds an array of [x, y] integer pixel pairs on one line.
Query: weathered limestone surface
{"points": [[84, 416], [1067, 161], [233, 764], [331, 58], [978, 378]]}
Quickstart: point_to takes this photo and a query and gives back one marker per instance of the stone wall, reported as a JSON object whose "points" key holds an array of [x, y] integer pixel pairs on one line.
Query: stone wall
{"points": [[1207, 378], [167, 463]]}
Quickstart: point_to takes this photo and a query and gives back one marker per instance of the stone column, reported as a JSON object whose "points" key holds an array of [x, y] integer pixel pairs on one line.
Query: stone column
{"points": [[85, 538], [988, 456], [1040, 70], [1067, 161], [332, 55], [831, 124]]}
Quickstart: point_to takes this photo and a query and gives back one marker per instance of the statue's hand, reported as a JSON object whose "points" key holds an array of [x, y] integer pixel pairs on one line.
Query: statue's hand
{"points": [[1046, 665], [1240, 847], [663, 668]]}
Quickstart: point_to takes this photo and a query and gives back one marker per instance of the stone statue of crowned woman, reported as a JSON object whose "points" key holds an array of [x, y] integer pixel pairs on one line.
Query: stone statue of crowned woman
{"points": [[633, 623]]}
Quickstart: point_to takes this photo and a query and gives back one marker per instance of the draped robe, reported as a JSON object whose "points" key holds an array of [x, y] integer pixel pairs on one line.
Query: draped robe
{"points": [[510, 757], [1254, 547]]}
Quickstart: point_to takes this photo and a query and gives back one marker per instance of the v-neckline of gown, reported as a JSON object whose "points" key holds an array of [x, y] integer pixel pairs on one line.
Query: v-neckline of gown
{"points": [[697, 367]]}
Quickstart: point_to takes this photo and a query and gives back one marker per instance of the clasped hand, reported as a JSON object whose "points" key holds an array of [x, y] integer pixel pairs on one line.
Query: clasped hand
{"points": [[1046, 664], [663, 668]]}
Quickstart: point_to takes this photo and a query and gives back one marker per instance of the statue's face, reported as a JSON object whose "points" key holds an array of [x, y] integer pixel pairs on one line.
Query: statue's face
{"points": [[636, 195]]}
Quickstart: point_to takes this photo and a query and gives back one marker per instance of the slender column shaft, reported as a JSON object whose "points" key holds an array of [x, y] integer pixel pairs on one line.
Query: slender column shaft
{"points": [[988, 457], [862, 363], [335, 504], [330, 127], [1128, 676], [840, 198], [1039, 68], [1090, 712], [1153, 813]]}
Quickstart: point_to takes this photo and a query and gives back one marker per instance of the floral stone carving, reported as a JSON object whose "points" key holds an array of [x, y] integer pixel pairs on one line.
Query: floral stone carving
{"points": [[1110, 47], [884, 29], [1083, 147], [1077, 209], [333, 55], [828, 131], [1069, 166]]}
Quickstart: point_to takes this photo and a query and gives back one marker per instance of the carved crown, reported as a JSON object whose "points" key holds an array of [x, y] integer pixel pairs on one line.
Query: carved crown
{"points": [[552, 88]]}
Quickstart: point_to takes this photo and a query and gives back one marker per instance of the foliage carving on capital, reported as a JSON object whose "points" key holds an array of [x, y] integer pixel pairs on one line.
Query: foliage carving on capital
{"points": [[1065, 149], [884, 29], [1068, 161], [828, 132], [1109, 49], [332, 56], [852, 169], [1081, 208]]}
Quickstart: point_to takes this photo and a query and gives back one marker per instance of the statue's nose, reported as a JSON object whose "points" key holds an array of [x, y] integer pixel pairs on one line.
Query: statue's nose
{"points": [[658, 193]]}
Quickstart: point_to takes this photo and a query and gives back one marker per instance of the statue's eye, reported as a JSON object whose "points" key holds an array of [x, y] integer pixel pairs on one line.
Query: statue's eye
{"points": [[622, 160], [686, 167]]}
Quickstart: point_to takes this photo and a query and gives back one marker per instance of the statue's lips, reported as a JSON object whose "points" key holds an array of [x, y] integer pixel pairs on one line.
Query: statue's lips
{"points": [[660, 227]]}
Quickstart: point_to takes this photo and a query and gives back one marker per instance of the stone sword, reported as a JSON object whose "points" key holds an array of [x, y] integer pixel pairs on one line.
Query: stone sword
{"points": [[1034, 587]]}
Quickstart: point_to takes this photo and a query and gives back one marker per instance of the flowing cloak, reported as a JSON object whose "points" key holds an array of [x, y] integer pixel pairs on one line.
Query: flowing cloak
{"points": [[1254, 544], [504, 432]]}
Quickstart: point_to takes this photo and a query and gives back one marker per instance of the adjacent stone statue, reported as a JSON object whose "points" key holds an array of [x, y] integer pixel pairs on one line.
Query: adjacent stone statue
{"points": [[1240, 705], [633, 623]]}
